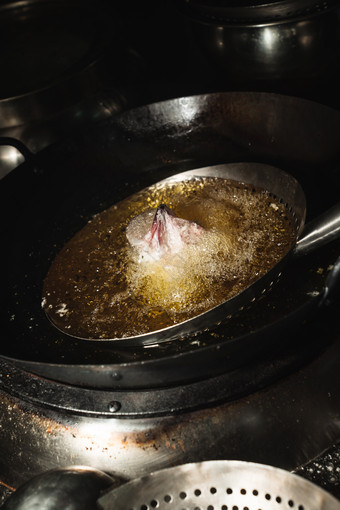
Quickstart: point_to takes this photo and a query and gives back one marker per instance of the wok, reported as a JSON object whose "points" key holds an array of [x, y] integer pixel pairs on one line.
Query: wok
{"points": [[53, 194]]}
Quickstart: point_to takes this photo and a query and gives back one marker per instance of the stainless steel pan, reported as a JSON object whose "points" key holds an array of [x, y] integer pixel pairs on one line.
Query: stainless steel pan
{"points": [[289, 192]]}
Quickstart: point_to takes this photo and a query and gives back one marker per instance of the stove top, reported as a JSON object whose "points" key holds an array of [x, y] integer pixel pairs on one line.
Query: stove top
{"points": [[291, 422]]}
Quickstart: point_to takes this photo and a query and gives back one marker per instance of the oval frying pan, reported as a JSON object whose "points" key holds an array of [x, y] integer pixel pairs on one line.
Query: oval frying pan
{"points": [[285, 188], [288, 191], [50, 197]]}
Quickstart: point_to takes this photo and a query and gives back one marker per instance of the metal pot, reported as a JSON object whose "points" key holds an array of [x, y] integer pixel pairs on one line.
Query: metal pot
{"points": [[277, 41], [52, 79]]}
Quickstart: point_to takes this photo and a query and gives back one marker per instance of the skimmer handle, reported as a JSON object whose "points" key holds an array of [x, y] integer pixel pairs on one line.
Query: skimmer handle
{"points": [[320, 231]]}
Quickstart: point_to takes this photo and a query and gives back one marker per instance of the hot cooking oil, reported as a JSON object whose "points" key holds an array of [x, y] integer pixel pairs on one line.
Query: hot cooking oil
{"points": [[97, 286]]}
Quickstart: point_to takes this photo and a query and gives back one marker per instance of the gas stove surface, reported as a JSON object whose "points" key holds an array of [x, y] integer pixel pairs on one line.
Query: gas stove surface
{"points": [[290, 423]]}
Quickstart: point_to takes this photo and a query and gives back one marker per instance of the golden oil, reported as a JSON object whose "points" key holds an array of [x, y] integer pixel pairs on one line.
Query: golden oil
{"points": [[97, 288]]}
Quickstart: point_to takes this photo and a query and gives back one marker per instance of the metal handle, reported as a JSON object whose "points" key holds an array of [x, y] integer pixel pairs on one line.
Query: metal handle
{"points": [[318, 232], [21, 147]]}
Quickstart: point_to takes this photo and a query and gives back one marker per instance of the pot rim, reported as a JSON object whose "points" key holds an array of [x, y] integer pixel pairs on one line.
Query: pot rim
{"points": [[255, 16], [80, 81]]}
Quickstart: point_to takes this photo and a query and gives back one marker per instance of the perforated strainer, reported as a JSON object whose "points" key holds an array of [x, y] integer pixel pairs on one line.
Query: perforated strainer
{"points": [[219, 485]]}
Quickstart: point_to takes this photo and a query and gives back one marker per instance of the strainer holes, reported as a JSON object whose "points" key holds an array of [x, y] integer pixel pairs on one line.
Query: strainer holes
{"points": [[224, 507], [278, 499], [182, 495], [301, 507], [243, 491], [268, 497], [213, 490], [229, 490], [245, 508], [210, 507], [154, 503], [255, 492], [197, 492], [291, 503], [235, 507], [143, 507], [167, 498]]}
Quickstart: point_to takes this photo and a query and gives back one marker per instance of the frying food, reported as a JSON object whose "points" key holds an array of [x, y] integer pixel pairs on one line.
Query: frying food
{"points": [[165, 255], [167, 235]]}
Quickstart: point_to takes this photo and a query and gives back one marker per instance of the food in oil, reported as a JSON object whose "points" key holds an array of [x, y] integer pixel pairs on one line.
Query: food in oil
{"points": [[120, 277]]}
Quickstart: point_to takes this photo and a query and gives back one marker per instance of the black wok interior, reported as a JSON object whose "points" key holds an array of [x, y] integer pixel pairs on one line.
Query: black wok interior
{"points": [[52, 195]]}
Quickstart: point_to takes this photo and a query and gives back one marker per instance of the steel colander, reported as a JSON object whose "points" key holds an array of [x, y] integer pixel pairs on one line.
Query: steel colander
{"points": [[219, 485]]}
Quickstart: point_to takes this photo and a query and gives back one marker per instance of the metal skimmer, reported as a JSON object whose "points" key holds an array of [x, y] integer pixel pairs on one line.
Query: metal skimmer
{"points": [[219, 485]]}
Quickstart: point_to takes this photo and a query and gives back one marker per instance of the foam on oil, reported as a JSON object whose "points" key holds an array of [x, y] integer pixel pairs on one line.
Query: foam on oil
{"points": [[105, 289]]}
